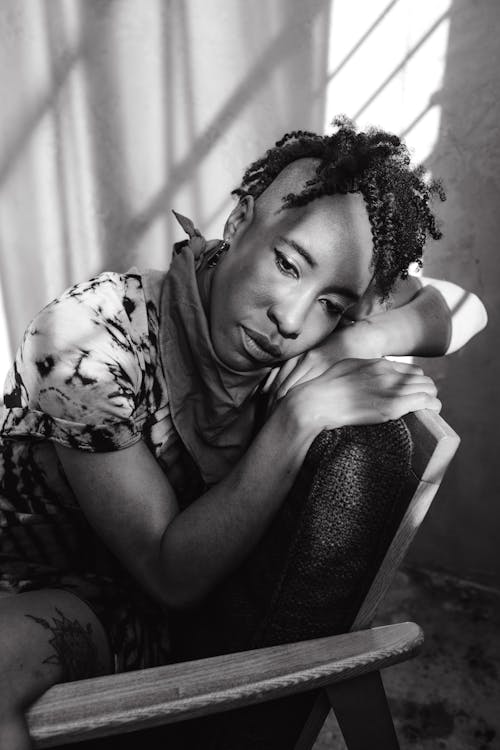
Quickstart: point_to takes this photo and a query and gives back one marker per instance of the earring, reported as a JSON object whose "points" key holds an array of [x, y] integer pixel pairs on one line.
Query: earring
{"points": [[217, 254]]}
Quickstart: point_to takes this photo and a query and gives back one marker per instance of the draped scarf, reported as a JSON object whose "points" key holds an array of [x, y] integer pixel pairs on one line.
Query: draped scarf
{"points": [[213, 407]]}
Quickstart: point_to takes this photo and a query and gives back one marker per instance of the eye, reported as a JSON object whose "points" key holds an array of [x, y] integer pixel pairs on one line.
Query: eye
{"points": [[331, 308], [284, 265]]}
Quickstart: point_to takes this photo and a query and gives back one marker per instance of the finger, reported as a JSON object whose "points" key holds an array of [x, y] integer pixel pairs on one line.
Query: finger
{"points": [[409, 388], [267, 387], [279, 386], [309, 370], [297, 378], [415, 402], [284, 371], [301, 374], [383, 365], [351, 364], [436, 405], [415, 383], [426, 401], [404, 367]]}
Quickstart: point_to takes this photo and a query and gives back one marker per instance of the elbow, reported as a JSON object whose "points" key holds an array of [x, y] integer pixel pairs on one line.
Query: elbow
{"points": [[173, 592], [179, 598], [189, 572], [183, 587], [476, 313], [481, 315], [467, 321]]}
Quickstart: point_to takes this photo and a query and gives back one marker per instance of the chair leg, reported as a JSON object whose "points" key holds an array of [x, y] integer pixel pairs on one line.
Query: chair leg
{"points": [[314, 723], [363, 713]]}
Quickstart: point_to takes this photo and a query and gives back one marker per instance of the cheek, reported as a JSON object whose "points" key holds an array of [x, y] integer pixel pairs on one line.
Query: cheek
{"points": [[319, 328], [250, 285], [238, 293]]}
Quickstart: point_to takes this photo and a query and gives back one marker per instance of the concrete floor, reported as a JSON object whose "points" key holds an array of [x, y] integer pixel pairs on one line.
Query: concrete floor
{"points": [[448, 697]]}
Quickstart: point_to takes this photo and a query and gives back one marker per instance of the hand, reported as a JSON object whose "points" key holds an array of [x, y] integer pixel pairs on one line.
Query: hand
{"points": [[359, 391], [354, 340]]}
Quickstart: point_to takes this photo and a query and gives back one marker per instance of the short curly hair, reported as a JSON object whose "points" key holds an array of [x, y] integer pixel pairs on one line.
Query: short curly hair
{"points": [[377, 165]]}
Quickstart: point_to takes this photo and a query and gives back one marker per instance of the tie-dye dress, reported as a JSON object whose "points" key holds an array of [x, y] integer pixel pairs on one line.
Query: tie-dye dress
{"points": [[88, 375]]}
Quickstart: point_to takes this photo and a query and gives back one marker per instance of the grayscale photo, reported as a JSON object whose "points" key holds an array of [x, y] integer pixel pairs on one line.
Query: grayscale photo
{"points": [[249, 275]]}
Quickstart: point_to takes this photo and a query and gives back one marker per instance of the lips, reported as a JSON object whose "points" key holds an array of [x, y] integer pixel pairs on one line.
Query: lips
{"points": [[260, 345]]}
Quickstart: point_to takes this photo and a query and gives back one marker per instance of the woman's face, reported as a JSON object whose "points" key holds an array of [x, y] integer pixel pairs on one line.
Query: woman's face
{"points": [[287, 278]]}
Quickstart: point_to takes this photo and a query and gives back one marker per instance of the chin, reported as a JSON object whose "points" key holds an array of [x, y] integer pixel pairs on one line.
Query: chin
{"points": [[231, 359]]}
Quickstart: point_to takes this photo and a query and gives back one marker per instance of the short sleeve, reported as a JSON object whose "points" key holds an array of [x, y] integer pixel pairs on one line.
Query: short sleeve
{"points": [[78, 374]]}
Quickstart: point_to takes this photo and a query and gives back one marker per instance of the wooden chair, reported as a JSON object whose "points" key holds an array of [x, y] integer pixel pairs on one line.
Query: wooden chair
{"points": [[346, 666]]}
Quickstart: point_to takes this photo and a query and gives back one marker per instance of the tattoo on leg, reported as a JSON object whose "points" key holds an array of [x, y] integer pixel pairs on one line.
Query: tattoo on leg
{"points": [[74, 648]]}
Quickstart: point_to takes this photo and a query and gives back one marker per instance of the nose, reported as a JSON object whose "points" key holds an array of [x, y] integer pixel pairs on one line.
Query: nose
{"points": [[288, 315]]}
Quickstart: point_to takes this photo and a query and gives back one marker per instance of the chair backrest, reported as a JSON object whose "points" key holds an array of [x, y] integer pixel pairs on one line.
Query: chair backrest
{"points": [[434, 445]]}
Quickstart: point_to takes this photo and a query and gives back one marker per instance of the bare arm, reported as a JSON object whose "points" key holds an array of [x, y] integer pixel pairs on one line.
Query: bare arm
{"points": [[180, 557], [424, 317], [467, 312]]}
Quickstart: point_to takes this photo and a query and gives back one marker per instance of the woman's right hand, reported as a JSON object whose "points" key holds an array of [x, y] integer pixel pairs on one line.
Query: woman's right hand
{"points": [[359, 392]]}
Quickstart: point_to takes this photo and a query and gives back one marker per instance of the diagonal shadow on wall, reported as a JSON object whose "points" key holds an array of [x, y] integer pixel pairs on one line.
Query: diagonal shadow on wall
{"points": [[279, 50]]}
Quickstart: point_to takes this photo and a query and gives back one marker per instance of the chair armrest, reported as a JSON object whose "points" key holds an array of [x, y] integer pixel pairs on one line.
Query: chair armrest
{"points": [[116, 704]]}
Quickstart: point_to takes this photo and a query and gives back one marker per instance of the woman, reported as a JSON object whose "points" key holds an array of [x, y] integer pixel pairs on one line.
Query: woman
{"points": [[133, 395]]}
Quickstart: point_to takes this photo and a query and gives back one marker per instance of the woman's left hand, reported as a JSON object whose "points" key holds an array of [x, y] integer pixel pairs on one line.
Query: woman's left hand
{"points": [[353, 340]]}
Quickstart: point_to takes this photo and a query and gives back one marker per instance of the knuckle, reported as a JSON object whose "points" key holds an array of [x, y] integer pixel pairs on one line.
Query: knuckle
{"points": [[376, 366], [277, 383], [425, 399], [393, 411], [384, 407], [433, 388]]}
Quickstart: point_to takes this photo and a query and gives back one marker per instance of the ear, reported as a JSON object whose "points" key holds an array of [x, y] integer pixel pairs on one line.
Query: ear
{"points": [[240, 217]]}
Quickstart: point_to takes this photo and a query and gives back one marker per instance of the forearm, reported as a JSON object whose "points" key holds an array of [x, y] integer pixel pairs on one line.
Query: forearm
{"points": [[216, 533], [421, 327], [425, 317]]}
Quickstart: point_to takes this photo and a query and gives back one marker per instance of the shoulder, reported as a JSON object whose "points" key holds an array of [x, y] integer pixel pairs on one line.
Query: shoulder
{"points": [[107, 303], [83, 350], [82, 373]]}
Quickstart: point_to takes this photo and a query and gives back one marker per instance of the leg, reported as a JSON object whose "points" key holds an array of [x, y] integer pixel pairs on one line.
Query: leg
{"points": [[46, 637], [308, 575]]}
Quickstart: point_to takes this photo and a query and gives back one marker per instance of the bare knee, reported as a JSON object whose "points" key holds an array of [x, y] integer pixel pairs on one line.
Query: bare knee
{"points": [[13, 731], [46, 637]]}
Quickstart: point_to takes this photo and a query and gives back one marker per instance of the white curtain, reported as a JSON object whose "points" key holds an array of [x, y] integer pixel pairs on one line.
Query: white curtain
{"points": [[116, 111]]}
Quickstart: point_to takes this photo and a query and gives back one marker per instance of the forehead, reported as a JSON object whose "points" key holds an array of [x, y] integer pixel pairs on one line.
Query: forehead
{"points": [[335, 230]]}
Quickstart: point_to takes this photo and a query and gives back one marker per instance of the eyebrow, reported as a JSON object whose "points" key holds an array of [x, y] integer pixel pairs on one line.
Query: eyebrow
{"points": [[300, 250], [340, 290]]}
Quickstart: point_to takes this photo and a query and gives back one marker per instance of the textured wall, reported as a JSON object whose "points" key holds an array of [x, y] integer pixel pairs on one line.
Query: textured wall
{"points": [[462, 533]]}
